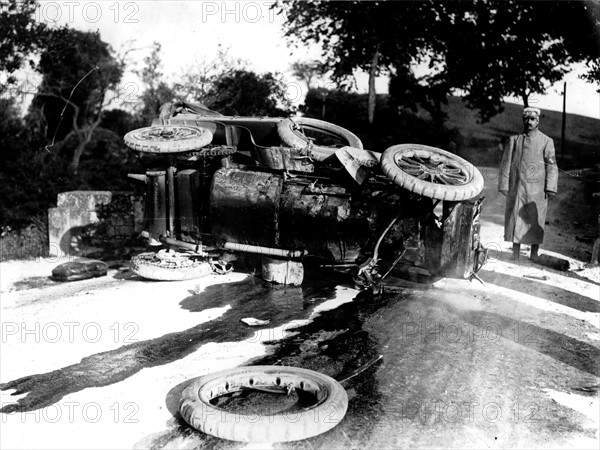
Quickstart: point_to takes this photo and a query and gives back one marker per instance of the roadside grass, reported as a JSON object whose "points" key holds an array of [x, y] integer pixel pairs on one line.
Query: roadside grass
{"points": [[482, 142], [27, 243]]}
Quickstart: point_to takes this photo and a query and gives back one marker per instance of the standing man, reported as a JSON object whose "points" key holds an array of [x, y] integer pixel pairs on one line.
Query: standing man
{"points": [[528, 178]]}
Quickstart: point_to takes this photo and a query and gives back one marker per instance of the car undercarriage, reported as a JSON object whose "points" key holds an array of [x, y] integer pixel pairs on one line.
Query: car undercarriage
{"points": [[302, 191]]}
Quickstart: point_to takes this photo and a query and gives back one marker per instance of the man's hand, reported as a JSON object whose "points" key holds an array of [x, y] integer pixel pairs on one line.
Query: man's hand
{"points": [[550, 194], [503, 192]]}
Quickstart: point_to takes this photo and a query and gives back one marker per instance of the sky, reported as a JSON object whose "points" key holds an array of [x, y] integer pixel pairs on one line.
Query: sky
{"points": [[194, 29]]}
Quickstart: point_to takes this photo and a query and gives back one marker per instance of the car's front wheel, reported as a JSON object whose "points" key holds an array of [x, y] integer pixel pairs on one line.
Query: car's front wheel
{"points": [[431, 172]]}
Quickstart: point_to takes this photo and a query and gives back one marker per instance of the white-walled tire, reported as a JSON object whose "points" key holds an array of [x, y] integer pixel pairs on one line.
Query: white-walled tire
{"points": [[431, 172], [168, 139], [155, 266], [326, 413]]}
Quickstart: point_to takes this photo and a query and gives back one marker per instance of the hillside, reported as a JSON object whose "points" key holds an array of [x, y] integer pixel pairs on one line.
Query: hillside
{"points": [[480, 142]]}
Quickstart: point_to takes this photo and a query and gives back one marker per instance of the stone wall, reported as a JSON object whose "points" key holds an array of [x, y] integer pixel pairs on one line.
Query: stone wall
{"points": [[87, 220]]}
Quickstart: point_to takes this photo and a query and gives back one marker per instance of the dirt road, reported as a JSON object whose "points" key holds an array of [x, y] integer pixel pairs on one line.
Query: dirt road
{"points": [[511, 363]]}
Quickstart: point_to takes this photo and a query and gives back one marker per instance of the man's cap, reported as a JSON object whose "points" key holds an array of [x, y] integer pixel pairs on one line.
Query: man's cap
{"points": [[531, 111]]}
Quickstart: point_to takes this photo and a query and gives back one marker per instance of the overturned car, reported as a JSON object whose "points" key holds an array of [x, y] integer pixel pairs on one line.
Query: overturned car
{"points": [[301, 191]]}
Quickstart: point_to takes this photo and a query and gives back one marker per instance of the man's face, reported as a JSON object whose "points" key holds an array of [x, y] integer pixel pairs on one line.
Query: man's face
{"points": [[531, 122]]}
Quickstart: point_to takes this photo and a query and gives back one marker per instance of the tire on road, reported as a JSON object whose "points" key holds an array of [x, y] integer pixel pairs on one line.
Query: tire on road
{"points": [[152, 267], [451, 177], [326, 413]]}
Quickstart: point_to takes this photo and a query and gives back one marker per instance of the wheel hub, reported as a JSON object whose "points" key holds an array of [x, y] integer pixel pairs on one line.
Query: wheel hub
{"points": [[162, 134], [435, 169]]}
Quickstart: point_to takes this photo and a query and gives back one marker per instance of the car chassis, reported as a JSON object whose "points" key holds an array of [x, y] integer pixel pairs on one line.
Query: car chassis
{"points": [[305, 191]]}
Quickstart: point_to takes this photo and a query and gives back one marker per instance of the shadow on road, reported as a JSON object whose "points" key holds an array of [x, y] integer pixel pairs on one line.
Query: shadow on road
{"points": [[334, 343], [547, 292], [250, 297]]}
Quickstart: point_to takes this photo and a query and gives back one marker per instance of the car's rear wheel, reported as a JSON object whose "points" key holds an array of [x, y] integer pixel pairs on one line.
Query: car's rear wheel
{"points": [[168, 139], [320, 137], [431, 172], [327, 410]]}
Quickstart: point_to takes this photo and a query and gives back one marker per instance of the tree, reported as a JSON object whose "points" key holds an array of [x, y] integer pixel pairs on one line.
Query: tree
{"points": [[507, 49], [20, 34], [358, 35], [197, 79], [406, 90], [584, 39], [593, 74], [79, 72], [156, 91], [307, 71], [11, 130], [489, 49], [245, 93]]}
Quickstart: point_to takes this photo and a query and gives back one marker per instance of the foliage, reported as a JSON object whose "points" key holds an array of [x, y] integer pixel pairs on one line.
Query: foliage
{"points": [[307, 71], [20, 168], [350, 32], [32, 173], [512, 51], [79, 71], [357, 35], [593, 74], [488, 49], [245, 93], [28, 242], [156, 91], [30, 180], [119, 121], [339, 107], [20, 34], [196, 79], [223, 84], [32, 177], [408, 92], [393, 125], [11, 130]]}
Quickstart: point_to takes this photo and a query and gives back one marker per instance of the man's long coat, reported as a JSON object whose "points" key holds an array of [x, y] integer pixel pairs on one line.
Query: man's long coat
{"points": [[527, 171]]}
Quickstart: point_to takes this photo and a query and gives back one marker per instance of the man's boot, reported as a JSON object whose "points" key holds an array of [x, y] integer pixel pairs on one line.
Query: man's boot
{"points": [[516, 252], [534, 251]]}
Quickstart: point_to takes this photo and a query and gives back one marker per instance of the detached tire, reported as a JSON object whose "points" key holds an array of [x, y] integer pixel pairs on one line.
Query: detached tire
{"points": [[168, 139], [431, 172], [326, 413], [291, 133], [154, 267]]}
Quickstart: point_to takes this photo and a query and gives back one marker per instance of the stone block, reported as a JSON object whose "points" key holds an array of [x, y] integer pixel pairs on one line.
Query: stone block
{"points": [[76, 219], [83, 200]]}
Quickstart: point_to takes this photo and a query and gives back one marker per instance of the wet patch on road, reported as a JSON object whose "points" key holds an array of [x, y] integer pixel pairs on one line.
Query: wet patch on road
{"points": [[427, 375], [247, 298], [334, 343], [33, 283]]}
